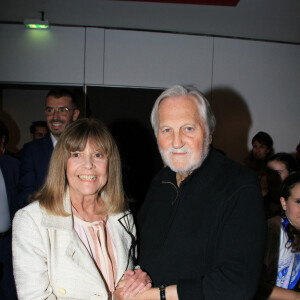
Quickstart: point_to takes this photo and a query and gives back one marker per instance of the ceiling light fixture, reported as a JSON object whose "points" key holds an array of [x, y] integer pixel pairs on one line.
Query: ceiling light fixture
{"points": [[37, 24]]}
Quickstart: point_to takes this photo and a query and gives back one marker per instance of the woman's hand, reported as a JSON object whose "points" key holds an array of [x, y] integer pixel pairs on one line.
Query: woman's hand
{"points": [[135, 282], [118, 293]]}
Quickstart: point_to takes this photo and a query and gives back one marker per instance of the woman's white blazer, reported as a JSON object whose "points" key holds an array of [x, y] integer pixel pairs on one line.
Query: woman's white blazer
{"points": [[51, 262]]}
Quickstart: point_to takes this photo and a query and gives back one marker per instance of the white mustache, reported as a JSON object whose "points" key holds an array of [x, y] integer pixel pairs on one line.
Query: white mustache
{"points": [[182, 150]]}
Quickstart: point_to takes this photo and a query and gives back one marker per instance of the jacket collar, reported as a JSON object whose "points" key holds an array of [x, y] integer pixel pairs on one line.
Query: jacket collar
{"points": [[60, 222]]}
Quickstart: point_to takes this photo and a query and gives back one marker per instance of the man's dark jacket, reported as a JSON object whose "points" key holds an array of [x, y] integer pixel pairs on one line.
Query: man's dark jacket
{"points": [[207, 236], [34, 166]]}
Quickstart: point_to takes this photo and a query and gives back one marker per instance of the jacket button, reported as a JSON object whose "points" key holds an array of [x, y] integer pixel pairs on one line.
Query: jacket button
{"points": [[62, 291]]}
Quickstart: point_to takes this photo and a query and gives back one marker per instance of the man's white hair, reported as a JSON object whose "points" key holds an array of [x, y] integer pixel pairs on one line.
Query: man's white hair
{"points": [[205, 110]]}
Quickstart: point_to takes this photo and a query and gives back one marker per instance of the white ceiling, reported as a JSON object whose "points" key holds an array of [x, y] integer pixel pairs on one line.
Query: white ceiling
{"points": [[271, 20]]}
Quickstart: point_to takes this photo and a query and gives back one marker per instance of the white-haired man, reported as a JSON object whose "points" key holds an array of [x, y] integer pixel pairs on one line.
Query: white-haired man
{"points": [[202, 225]]}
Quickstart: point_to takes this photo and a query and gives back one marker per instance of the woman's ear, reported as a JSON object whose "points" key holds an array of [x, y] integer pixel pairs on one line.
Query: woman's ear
{"points": [[283, 203]]}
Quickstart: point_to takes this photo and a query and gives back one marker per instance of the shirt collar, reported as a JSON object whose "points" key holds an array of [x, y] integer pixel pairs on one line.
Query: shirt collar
{"points": [[53, 139]]}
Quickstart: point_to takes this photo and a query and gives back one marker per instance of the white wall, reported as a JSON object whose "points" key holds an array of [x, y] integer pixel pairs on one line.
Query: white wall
{"points": [[134, 58], [266, 78], [252, 85], [50, 56], [94, 56]]}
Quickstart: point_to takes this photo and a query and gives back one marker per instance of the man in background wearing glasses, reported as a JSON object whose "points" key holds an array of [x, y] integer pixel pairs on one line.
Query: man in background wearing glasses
{"points": [[60, 110]]}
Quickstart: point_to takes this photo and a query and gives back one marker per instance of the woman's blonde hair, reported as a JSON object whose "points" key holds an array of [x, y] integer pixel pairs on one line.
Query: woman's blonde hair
{"points": [[74, 138]]}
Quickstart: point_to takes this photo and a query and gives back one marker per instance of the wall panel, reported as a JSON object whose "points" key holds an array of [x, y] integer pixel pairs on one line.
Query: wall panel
{"points": [[151, 59], [256, 87], [37, 56], [94, 56]]}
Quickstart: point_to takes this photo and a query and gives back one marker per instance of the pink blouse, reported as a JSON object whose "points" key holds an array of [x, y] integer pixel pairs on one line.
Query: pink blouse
{"points": [[97, 238]]}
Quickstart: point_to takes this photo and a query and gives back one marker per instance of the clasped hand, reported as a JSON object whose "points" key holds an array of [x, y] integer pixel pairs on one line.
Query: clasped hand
{"points": [[135, 282]]}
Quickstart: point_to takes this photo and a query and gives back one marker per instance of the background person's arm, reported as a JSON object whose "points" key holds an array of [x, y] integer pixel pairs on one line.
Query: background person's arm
{"points": [[268, 292]]}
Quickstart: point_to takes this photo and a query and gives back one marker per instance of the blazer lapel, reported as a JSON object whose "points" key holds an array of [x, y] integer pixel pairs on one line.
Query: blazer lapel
{"points": [[124, 242]]}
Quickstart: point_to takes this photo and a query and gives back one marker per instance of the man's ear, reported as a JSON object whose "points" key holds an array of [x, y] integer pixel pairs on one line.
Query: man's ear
{"points": [[283, 203], [210, 138], [76, 114]]}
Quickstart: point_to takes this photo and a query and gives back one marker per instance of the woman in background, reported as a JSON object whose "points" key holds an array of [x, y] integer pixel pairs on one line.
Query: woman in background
{"points": [[280, 166], [283, 163], [280, 279], [77, 238], [262, 149]]}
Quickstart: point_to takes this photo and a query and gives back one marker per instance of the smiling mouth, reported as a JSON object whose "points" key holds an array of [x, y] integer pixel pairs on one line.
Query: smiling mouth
{"points": [[180, 154], [56, 124], [87, 177]]}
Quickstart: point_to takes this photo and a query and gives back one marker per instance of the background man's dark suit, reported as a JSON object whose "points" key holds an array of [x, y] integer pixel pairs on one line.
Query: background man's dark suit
{"points": [[34, 166], [10, 170]]}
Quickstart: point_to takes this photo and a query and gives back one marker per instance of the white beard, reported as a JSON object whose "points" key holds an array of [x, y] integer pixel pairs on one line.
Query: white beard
{"points": [[192, 165]]}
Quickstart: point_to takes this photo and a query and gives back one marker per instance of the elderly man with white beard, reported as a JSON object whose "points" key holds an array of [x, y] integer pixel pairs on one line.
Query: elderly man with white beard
{"points": [[202, 226]]}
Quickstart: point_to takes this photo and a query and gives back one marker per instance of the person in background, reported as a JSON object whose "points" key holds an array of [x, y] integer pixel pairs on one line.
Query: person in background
{"points": [[60, 110], [4, 138], [279, 167], [38, 130], [281, 273], [77, 238], [283, 163], [9, 176], [262, 146], [262, 149], [202, 225]]}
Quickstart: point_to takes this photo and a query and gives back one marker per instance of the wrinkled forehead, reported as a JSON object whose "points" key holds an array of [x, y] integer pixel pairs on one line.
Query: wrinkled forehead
{"points": [[175, 106]]}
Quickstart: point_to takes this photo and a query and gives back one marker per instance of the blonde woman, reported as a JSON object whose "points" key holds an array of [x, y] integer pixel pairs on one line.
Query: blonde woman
{"points": [[77, 238]]}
